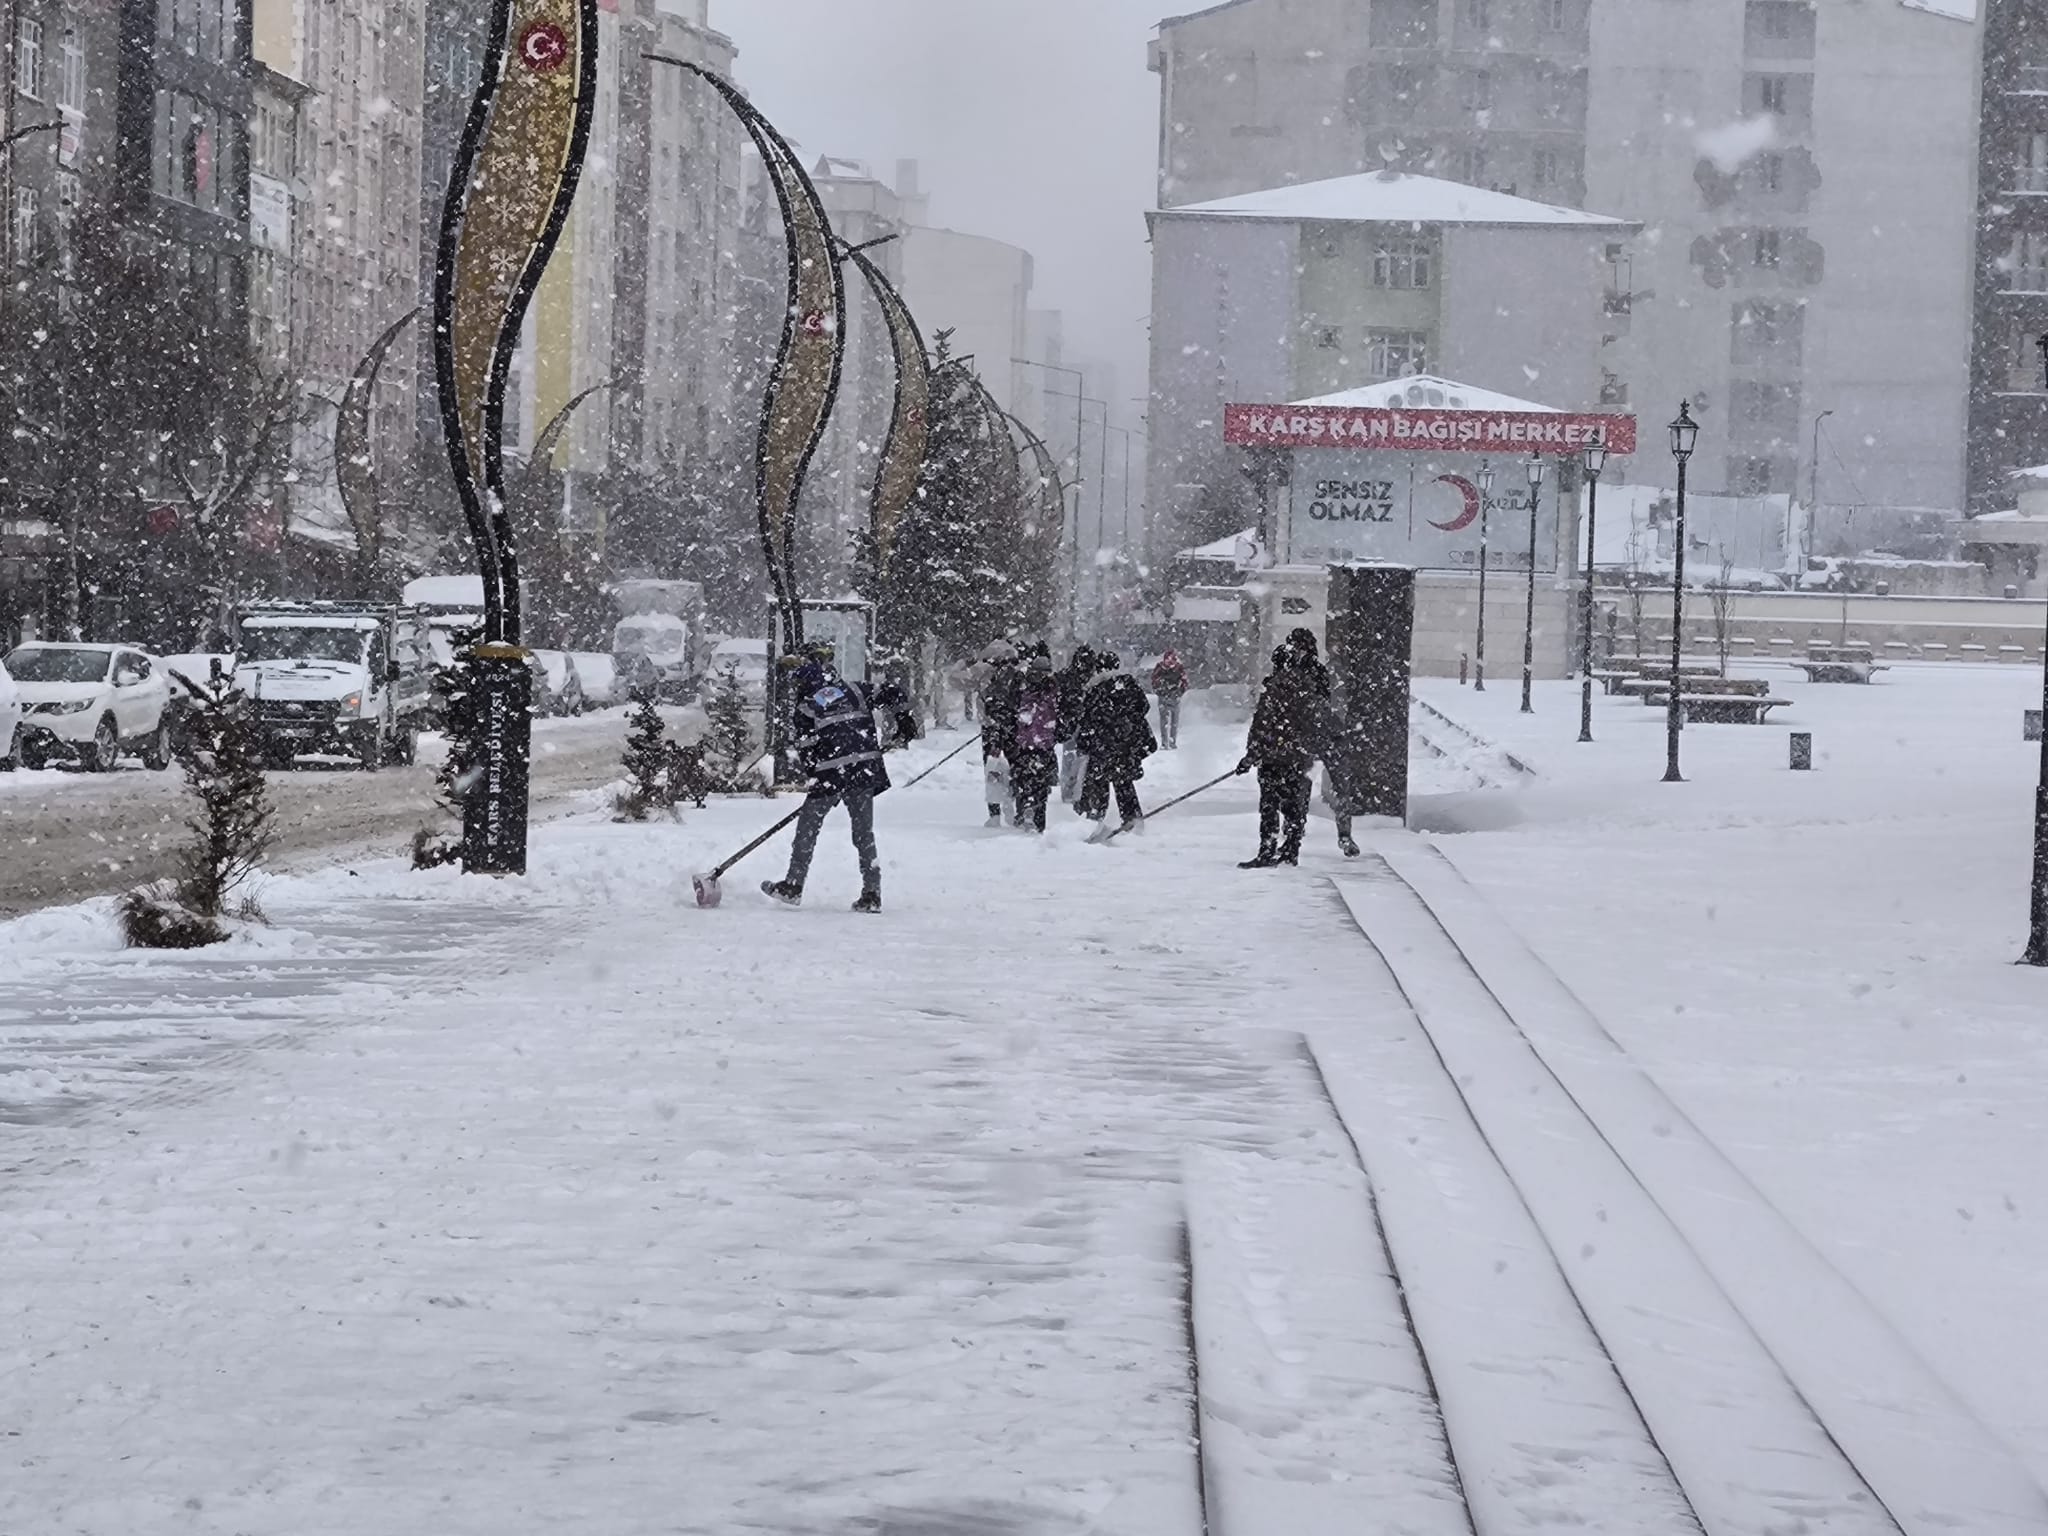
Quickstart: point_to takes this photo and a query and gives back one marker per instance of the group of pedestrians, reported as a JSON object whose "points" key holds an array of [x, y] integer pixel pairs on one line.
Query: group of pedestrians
{"points": [[1084, 729]]}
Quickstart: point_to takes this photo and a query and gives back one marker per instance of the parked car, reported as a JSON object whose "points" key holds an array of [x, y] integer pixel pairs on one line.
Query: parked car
{"points": [[10, 722], [597, 676], [747, 659], [91, 703]]}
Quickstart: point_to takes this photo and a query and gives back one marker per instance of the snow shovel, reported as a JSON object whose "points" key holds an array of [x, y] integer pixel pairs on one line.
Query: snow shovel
{"points": [[1177, 800], [709, 893]]}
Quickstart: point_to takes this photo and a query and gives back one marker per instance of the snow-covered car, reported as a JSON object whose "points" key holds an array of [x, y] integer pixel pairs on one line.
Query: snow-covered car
{"points": [[10, 721], [596, 674], [91, 703], [746, 659]]}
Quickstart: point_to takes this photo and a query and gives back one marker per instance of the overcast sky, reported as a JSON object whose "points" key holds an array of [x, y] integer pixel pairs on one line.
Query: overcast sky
{"points": [[1035, 121]]}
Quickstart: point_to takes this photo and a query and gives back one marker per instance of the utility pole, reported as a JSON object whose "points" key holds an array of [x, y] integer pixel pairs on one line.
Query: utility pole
{"points": [[1812, 498]]}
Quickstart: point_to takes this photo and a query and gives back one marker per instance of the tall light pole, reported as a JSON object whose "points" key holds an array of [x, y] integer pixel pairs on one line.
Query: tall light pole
{"points": [[1595, 461], [2037, 938], [1812, 498], [1536, 468], [1485, 479], [1685, 435]]}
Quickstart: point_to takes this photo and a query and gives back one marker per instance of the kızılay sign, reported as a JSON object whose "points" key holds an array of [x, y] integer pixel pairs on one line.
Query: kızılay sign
{"points": [[1434, 431]]}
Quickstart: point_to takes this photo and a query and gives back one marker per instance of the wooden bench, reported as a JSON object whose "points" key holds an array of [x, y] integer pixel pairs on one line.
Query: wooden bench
{"points": [[1657, 690], [1723, 708], [1839, 671], [1611, 679]]}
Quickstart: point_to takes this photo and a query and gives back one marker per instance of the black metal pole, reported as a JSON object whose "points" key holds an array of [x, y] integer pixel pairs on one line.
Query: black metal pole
{"points": [[1586, 608], [1479, 645], [1675, 717], [2037, 941], [1529, 615]]}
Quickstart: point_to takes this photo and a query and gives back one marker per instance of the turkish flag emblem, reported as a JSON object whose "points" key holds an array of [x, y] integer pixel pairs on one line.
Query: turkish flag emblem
{"points": [[814, 323], [543, 47]]}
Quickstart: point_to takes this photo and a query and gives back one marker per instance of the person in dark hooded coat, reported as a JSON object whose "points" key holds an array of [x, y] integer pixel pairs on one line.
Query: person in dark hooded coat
{"points": [[1073, 681], [1290, 726], [840, 749], [1115, 736]]}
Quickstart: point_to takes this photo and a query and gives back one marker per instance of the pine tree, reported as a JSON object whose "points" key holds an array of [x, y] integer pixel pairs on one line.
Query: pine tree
{"points": [[648, 758], [457, 704], [731, 739], [231, 828]]}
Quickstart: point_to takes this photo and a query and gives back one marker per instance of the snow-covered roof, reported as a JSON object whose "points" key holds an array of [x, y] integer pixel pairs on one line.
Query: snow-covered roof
{"points": [[1422, 391], [358, 621], [1393, 197], [445, 592], [1231, 549]]}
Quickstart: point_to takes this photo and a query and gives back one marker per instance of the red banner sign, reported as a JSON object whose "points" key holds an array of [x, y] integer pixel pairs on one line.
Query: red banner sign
{"points": [[1431, 431]]}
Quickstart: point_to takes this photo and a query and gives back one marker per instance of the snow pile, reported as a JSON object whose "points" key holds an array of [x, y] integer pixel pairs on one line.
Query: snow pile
{"points": [[1736, 144]]}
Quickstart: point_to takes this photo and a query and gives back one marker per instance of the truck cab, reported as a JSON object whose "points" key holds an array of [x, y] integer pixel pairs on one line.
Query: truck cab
{"points": [[333, 679]]}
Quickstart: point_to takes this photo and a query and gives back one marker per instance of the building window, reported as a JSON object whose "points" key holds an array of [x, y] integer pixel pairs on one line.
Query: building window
{"points": [[28, 58], [1768, 173], [1765, 334], [2022, 362], [1396, 354], [1468, 166], [2031, 174], [1749, 476], [1555, 15], [1477, 14], [1766, 248], [1774, 94], [1478, 90], [1548, 168], [71, 72], [2028, 264], [1401, 264], [24, 225], [1329, 338]]}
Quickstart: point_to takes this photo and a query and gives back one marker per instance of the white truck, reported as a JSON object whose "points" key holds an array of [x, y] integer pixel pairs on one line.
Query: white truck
{"points": [[336, 679], [661, 640]]}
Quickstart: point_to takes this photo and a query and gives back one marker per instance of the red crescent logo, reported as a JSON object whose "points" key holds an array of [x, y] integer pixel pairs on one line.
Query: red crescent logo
{"points": [[814, 323], [543, 47], [1470, 515]]}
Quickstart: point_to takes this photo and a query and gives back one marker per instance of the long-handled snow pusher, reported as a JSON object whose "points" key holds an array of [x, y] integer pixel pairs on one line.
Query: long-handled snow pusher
{"points": [[1203, 789], [709, 893]]}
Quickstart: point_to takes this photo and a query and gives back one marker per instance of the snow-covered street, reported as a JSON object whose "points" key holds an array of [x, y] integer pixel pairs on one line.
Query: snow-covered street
{"points": [[1639, 1160]]}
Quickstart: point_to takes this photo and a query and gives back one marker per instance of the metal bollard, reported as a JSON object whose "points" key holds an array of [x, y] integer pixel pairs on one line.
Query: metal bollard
{"points": [[2033, 727], [1464, 668], [1802, 751]]}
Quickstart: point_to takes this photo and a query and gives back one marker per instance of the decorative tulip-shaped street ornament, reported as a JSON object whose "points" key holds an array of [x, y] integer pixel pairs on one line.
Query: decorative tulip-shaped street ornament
{"points": [[909, 420], [805, 380], [355, 470], [514, 178]]}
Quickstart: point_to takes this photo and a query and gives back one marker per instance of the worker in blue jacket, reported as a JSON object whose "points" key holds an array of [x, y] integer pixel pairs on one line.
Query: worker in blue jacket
{"points": [[840, 751]]}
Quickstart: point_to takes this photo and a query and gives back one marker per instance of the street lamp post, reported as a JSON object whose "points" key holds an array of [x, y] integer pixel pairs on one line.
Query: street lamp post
{"points": [[1080, 401], [1595, 461], [1485, 479], [1812, 497], [1536, 468], [2037, 938], [1685, 435]]}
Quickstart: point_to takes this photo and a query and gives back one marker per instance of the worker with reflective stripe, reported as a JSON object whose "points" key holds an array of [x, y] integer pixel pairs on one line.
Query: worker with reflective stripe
{"points": [[840, 750]]}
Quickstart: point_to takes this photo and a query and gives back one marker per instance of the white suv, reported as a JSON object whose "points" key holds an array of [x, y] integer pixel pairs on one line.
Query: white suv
{"points": [[90, 702]]}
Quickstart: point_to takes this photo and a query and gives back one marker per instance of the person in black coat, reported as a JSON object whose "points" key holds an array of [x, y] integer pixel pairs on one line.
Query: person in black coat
{"points": [[1290, 726], [1073, 682], [1115, 737], [999, 726], [1034, 767], [840, 750]]}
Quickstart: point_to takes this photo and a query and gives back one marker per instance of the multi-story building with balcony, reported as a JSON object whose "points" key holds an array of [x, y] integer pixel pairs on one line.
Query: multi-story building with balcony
{"points": [[1796, 168], [2009, 356]]}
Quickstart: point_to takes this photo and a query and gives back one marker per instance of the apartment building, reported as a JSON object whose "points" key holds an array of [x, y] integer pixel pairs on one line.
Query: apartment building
{"points": [[2008, 407], [1796, 167]]}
